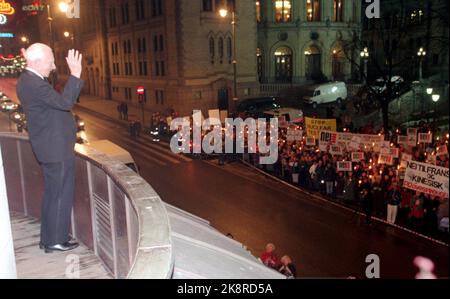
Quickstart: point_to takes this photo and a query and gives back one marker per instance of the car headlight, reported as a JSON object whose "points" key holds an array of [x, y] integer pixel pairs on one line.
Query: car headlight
{"points": [[81, 123]]}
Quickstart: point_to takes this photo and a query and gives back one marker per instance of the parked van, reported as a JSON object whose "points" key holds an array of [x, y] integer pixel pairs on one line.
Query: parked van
{"points": [[327, 93], [115, 152], [292, 115]]}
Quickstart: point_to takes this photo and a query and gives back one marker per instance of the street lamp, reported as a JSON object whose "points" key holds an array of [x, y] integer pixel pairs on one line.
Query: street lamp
{"points": [[435, 99], [365, 57], [421, 54], [67, 34], [224, 13], [63, 7], [25, 40], [429, 91]]}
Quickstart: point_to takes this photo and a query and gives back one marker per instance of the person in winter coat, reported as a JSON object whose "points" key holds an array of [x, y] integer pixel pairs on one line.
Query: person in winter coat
{"points": [[394, 200]]}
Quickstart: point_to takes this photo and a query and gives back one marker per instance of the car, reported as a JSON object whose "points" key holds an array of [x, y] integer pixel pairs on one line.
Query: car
{"points": [[327, 93], [8, 106], [20, 120], [257, 106], [291, 115], [80, 123], [398, 84]]}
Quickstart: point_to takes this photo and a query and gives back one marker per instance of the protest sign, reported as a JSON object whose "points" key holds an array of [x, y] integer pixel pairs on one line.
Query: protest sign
{"points": [[336, 150], [294, 135], [425, 138], [442, 150], [315, 125], [344, 166], [357, 157], [386, 159], [427, 178], [310, 141]]}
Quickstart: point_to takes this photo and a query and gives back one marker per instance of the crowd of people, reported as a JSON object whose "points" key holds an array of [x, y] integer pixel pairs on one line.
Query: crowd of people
{"points": [[376, 189]]}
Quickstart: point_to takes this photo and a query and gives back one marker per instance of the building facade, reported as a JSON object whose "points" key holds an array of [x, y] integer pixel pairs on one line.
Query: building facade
{"points": [[180, 51], [406, 26], [302, 40]]}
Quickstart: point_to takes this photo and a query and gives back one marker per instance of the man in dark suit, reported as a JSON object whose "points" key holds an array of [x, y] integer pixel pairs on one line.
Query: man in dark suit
{"points": [[52, 132]]}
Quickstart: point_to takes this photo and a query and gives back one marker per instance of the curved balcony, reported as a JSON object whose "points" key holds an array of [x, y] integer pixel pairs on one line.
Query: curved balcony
{"points": [[123, 223]]}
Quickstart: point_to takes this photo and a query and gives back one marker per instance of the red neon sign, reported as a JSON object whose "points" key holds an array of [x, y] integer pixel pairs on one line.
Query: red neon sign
{"points": [[6, 8]]}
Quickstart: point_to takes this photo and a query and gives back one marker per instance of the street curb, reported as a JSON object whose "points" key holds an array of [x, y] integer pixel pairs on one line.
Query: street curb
{"points": [[344, 207], [101, 115]]}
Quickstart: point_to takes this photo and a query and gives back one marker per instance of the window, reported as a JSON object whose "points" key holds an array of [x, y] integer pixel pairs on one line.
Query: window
{"points": [[338, 10], [145, 70], [129, 46], [157, 68], [313, 10], [125, 13], [258, 11], [139, 45], [435, 59], [212, 50], [128, 94], [140, 9], [159, 95], [283, 11], [161, 43], [229, 49], [112, 17], [155, 44], [163, 68], [207, 5], [221, 50], [227, 4], [157, 8], [144, 45]]}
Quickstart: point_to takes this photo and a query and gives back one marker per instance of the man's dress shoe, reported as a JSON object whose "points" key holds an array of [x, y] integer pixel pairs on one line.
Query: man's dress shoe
{"points": [[60, 247]]}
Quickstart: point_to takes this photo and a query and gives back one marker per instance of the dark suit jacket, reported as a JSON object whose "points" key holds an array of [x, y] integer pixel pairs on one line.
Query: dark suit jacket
{"points": [[51, 125]]}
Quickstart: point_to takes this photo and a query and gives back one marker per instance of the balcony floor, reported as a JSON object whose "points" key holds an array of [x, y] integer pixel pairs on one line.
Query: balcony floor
{"points": [[33, 263]]}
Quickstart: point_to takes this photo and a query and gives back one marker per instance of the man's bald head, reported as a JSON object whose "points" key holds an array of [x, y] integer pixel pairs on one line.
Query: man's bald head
{"points": [[40, 58]]}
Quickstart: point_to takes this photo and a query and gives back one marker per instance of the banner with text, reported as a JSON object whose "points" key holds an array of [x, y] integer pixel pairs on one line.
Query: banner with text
{"points": [[315, 125], [427, 178]]}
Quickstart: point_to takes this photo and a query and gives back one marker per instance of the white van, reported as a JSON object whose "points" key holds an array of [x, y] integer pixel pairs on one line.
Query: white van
{"points": [[327, 93], [292, 115], [115, 152]]}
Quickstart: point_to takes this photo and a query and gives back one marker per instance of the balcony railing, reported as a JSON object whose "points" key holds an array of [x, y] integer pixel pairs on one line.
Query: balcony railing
{"points": [[116, 213], [119, 216]]}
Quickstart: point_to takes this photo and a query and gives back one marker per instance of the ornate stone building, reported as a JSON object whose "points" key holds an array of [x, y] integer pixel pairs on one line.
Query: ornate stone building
{"points": [[300, 40]]}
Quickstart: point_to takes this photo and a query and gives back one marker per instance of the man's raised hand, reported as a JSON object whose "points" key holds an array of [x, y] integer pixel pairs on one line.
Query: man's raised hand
{"points": [[74, 61]]}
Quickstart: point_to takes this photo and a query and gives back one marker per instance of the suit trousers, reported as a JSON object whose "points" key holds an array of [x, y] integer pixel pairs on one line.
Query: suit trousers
{"points": [[59, 180]]}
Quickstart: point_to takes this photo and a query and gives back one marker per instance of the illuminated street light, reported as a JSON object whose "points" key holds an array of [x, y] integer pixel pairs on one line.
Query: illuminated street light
{"points": [[435, 98], [429, 91], [365, 56], [63, 7], [224, 13], [421, 54]]}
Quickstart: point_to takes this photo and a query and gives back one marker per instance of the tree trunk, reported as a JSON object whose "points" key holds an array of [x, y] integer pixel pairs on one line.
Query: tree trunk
{"points": [[385, 113]]}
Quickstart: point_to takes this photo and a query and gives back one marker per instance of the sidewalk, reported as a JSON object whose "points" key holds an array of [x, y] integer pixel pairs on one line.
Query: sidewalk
{"points": [[108, 108]]}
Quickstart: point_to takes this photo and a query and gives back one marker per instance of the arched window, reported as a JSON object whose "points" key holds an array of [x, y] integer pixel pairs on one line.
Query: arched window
{"points": [[338, 10], [313, 10], [221, 50], [283, 64], [313, 63], [283, 10], [230, 49], [212, 49]]}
